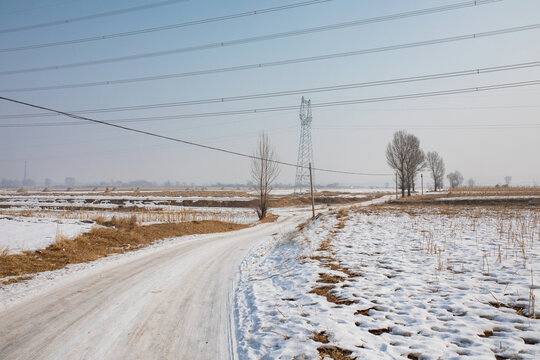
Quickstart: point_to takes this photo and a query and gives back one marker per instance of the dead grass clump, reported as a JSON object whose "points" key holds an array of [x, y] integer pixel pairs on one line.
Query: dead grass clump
{"points": [[329, 279], [269, 218], [118, 222], [102, 241], [335, 353], [325, 246], [15, 279], [325, 291], [342, 213], [321, 337], [518, 309], [340, 224]]}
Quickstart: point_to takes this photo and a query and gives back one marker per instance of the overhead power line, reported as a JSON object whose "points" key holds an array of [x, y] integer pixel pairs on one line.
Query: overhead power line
{"points": [[281, 62], [221, 44], [90, 17], [168, 27], [182, 141], [434, 127], [293, 107], [293, 92]]}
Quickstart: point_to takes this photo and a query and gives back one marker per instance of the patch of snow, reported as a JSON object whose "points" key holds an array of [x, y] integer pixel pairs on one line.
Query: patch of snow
{"points": [[428, 285], [19, 233]]}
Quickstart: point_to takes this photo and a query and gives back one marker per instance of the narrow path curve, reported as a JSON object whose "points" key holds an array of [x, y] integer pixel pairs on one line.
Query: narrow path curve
{"points": [[173, 303]]}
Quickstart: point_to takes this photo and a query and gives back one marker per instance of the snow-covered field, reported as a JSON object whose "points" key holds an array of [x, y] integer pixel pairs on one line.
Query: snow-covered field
{"points": [[352, 191], [19, 233], [386, 284]]}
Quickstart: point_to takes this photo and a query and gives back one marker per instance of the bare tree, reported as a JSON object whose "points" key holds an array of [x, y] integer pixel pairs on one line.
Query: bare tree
{"points": [[507, 180], [471, 182], [264, 171], [435, 165], [455, 178], [403, 154]]}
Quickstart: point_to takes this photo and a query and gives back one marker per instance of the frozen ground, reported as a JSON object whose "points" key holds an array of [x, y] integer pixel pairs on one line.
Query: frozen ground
{"points": [[171, 300], [344, 190], [18, 233], [491, 197], [389, 284]]}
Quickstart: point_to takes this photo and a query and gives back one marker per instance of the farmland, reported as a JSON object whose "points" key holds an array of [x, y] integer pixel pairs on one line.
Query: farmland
{"points": [[421, 278]]}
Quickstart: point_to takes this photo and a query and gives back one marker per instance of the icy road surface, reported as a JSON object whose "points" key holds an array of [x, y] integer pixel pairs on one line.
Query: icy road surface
{"points": [[167, 302]]}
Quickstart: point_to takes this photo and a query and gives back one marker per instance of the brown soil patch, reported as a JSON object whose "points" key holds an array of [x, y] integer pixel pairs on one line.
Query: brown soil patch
{"points": [[335, 353], [486, 334], [122, 235], [325, 291], [518, 309], [380, 331], [364, 312]]}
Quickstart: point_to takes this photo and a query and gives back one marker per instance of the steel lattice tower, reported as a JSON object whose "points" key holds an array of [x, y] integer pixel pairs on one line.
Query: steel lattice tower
{"points": [[305, 150]]}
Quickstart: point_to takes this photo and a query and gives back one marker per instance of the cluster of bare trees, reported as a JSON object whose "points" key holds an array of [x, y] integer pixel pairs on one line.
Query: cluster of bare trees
{"points": [[455, 179], [403, 154]]}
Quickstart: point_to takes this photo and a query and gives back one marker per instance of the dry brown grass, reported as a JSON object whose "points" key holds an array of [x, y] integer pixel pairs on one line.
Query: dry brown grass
{"points": [[325, 291], [269, 218], [326, 278], [335, 353], [121, 235], [321, 337], [342, 213]]}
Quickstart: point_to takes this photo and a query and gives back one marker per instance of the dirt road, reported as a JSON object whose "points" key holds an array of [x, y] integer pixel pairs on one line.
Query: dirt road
{"points": [[172, 303]]}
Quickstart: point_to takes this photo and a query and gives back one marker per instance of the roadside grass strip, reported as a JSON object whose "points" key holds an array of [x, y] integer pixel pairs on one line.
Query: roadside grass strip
{"points": [[384, 282], [117, 235]]}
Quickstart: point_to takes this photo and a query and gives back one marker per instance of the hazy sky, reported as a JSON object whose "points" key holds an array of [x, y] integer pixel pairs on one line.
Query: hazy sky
{"points": [[485, 135]]}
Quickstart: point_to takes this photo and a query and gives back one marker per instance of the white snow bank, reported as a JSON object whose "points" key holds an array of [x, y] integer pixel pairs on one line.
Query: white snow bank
{"points": [[27, 233]]}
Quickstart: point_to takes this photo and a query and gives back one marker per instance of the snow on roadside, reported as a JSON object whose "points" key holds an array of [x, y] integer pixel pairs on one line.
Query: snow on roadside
{"points": [[19, 233], [422, 285], [16, 293]]}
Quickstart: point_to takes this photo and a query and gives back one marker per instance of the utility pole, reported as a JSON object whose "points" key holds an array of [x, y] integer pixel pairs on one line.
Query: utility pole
{"points": [[396, 187], [312, 198], [24, 178], [422, 181]]}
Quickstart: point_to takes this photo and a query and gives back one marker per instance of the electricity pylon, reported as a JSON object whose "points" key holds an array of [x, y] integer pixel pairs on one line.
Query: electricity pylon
{"points": [[305, 149]]}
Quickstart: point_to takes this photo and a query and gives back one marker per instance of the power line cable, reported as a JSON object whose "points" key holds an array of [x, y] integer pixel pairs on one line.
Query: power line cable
{"points": [[222, 44], [183, 141], [429, 127], [91, 17], [294, 107], [281, 62], [168, 27], [294, 92]]}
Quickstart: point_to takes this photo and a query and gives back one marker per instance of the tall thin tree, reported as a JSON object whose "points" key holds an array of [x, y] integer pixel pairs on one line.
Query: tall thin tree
{"points": [[264, 171], [435, 166]]}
